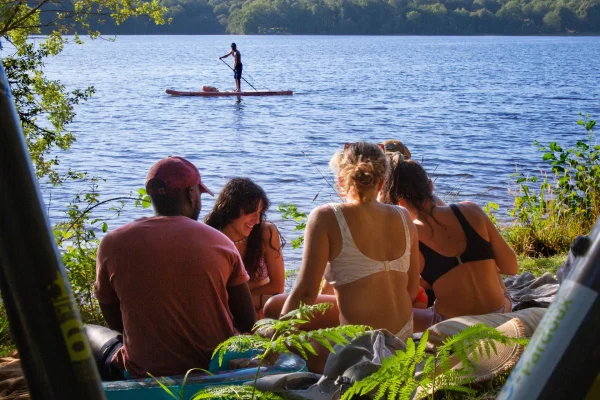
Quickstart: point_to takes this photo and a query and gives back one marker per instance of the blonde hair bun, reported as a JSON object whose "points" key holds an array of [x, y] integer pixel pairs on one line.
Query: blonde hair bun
{"points": [[362, 166]]}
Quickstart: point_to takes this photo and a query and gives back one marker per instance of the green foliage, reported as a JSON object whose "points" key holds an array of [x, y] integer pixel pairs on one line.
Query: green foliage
{"points": [[397, 377], [164, 384], [234, 392], [76, 237], [490, 209], [290, 211], [285, 334], [44, 106], [45, 109], [554, 208], [539, 266], [376, 17]]}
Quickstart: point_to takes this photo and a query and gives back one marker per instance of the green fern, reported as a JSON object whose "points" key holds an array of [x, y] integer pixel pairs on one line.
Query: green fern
{"points": [[234, 392], [240, 343], [306, 312], [396, 379], [287, 336], [475, 341]]}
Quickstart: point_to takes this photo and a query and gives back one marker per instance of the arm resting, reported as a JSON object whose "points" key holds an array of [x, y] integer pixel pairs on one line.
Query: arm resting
{"points": [[112, 316], [240, 305]]}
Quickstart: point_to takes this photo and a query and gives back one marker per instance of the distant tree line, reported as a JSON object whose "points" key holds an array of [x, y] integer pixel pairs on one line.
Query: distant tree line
{"points": [[375, 17]]}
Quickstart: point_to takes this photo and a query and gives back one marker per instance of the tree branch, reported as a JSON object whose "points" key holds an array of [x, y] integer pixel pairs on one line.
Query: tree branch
{"points": [[27, 15], [4, 30]]}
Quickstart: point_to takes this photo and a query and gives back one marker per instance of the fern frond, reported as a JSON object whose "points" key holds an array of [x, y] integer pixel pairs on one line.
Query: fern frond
{"points": [[395, 379], [476, 341], [293, 341], [448, 380], [309, 347], [461, 389], [407, 390], [422, 344], [233, 392], [307, 312], [382, 391], [264, 323], [240, 343]]}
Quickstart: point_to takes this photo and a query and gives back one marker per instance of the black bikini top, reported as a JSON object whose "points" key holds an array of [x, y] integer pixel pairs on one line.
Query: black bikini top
{"points": [[437, 265]]}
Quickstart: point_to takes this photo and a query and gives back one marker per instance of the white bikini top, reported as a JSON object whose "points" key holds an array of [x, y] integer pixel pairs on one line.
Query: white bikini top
{"points": [[351, 265]]}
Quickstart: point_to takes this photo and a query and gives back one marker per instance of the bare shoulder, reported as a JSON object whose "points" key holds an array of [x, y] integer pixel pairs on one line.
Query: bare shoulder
{"points": [[474, 215], [322, 216], [322, 211], [471, 208], [406, 214], [268, 230]]}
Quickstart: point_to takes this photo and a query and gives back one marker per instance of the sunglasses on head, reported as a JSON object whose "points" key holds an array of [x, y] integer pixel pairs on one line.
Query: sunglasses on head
{"points": [[380, 145], [389, 147]]}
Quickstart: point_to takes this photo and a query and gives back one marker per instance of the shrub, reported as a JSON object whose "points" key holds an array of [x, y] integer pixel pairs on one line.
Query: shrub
{"points": [[554, 208]]}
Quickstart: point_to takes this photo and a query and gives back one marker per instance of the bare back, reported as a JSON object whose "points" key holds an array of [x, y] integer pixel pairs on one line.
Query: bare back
{"points": [[467, 287], [380, 299]]}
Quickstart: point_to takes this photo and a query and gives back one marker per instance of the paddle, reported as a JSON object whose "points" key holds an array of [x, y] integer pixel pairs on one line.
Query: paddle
{"points": [[242, 77]]}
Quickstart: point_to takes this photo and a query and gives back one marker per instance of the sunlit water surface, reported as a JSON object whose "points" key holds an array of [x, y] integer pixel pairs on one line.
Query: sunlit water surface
{"points": [[470, 107]]}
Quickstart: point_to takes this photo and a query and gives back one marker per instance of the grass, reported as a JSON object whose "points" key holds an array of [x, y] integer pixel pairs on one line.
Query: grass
{"points": [[539, 266]]}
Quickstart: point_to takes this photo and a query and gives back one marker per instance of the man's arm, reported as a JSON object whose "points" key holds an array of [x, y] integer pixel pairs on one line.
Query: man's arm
{"points": [[112, 316], [240, 305], [226, 55]]}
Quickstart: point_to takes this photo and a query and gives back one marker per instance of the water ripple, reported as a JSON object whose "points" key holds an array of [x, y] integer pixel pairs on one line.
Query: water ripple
{"points": [[470, 107]]}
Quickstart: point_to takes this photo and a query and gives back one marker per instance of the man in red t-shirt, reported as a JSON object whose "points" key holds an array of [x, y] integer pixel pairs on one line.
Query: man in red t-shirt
{"points": [[174, 287]]}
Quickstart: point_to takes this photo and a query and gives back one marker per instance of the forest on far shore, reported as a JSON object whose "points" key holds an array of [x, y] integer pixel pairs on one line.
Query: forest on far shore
{"points": [[372, 17]]}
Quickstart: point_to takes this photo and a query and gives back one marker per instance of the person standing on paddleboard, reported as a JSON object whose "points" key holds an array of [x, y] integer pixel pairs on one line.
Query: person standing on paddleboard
{"points": [[237, 65]]}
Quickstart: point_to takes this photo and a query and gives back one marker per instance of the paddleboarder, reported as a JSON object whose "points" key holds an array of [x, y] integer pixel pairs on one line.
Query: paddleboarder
{"points": [[237, 65]]}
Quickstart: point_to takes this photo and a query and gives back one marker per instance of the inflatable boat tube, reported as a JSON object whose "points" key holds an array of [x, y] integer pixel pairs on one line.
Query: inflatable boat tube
{"points": [[148, 389]]}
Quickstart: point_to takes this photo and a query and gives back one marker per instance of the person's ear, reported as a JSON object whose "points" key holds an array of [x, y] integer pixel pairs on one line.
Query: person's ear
{"points": [[189, 195]]}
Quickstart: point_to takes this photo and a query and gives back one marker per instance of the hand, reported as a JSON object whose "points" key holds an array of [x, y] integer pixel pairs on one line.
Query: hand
{"points": [[220, 58]]}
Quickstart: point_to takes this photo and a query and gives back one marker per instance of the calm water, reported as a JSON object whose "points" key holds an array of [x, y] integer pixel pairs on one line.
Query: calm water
{"points": [[469, 106]]}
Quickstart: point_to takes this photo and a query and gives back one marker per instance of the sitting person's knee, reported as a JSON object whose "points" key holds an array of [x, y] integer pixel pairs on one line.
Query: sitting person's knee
{"points": [[273, 306]]}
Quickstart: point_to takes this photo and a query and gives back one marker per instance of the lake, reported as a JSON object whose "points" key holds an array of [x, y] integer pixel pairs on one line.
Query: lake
{"points": [[469, 107]]}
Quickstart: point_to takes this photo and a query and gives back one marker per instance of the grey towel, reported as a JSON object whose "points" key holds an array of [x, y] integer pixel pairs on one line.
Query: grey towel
{"points": [[527, 291], [362, 356]]}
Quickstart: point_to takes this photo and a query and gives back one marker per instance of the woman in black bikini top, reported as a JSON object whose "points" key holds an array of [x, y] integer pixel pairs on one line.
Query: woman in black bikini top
{"points": [[461, 251]]}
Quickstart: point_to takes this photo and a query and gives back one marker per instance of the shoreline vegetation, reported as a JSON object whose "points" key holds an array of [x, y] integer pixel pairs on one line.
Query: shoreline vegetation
{"points": [[374, 17]]}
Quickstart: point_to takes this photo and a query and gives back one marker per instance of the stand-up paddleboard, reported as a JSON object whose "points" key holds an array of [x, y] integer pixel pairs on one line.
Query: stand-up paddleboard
{"points": [[218, 94]]}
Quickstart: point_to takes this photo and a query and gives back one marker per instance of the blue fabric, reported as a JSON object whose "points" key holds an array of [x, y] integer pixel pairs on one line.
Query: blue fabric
{"points": [[230, 355]]}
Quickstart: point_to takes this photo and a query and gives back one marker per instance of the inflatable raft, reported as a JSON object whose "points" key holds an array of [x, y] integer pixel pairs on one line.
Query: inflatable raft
{"points": [[220, 94], [148, 389]]}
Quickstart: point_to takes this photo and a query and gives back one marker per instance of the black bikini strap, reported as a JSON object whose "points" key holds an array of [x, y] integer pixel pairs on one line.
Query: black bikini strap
{"points": [[461, 218]]}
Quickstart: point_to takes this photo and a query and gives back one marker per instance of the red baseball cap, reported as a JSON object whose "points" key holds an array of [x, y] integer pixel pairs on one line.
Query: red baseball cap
{"points": [[177, 174]]}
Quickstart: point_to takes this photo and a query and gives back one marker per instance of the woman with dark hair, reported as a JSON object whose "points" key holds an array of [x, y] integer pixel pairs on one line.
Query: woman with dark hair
{"points": [[461, 252], [239, 212]]}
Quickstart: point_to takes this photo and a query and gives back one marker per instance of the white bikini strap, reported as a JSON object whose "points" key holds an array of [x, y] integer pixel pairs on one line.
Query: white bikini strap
{"points": [[339, 215], [406, 231]]}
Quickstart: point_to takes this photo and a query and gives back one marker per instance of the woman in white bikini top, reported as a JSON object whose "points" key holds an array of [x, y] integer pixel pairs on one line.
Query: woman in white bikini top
{"points": [[366, 250]]}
